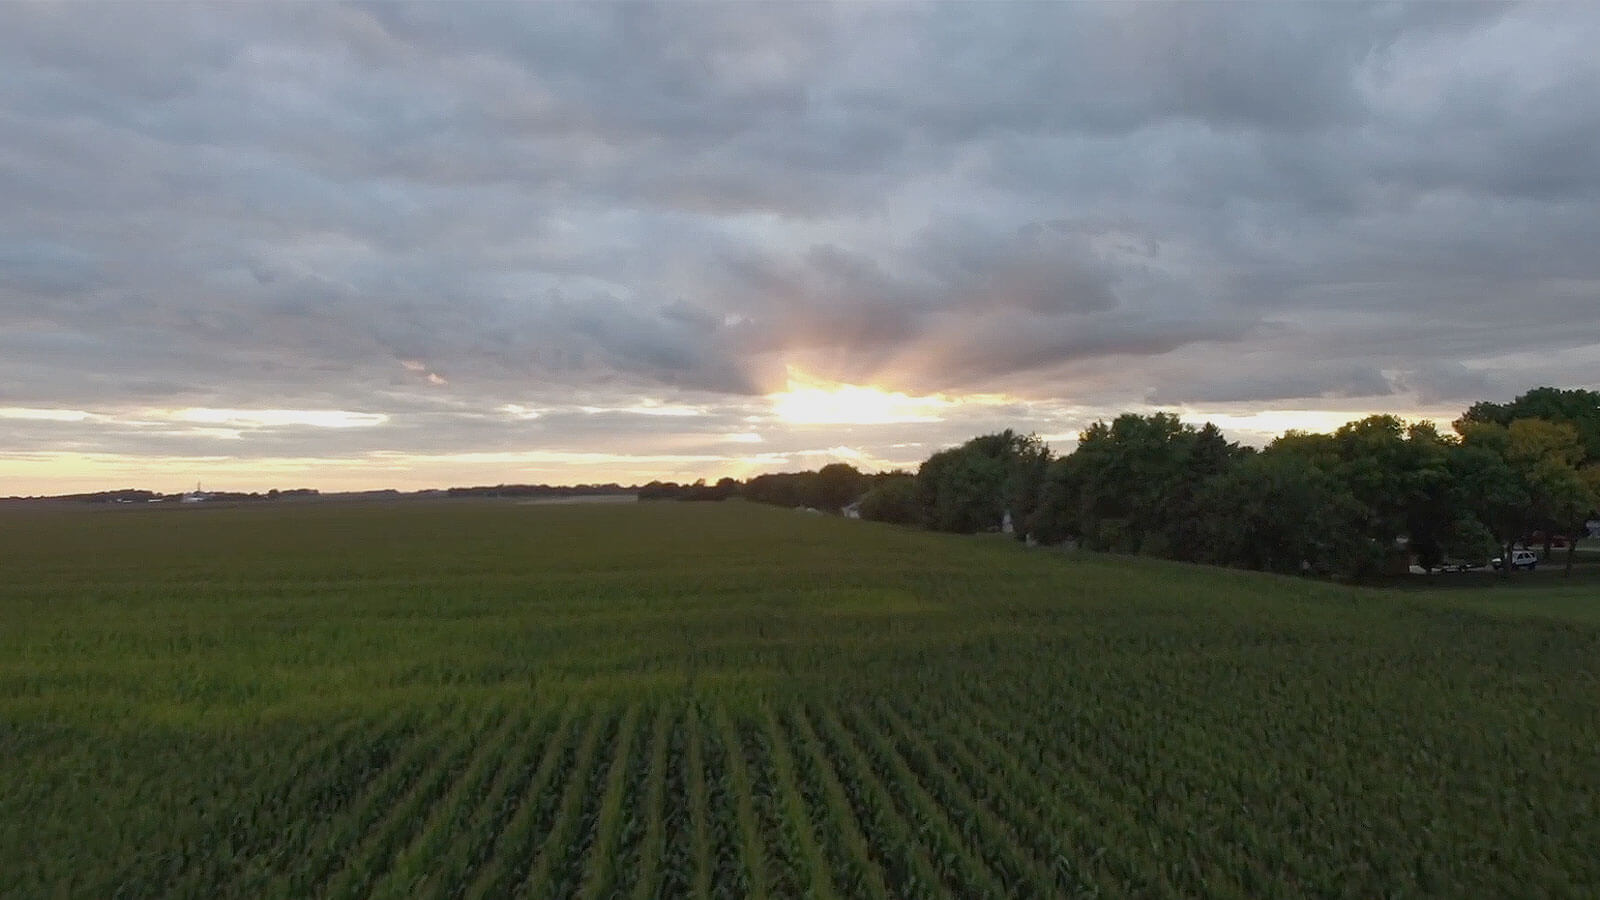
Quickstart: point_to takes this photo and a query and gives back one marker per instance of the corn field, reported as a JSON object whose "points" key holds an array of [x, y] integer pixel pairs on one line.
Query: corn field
{"points": [[481, 700]]}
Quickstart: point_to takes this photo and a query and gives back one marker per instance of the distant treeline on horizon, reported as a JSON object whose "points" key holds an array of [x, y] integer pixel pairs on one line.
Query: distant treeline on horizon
{"points": [[139, 495], [134, 495], [1375, 493]]}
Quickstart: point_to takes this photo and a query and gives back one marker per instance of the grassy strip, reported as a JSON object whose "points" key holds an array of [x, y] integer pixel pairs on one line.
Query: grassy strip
{"points": [[284, 817], [699, 808], [785, 864], [856, 865], [372, 858], [752, 848], [996, 840], [792, 815], [206, 808], [545, 877], [678, 868], [368, 800], [509, 859], [942, 837], [906, 866], [653, 845], [634, 813], [1082, 782], [469, 848], [413, 864], [1200, 843], [601, 868], [731, 871], [1027, 803], [1186, 854]]}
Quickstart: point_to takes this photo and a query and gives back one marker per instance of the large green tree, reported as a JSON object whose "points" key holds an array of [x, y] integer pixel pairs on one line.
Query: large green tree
{"points": [[892, 498], [1133, 484], [1279, 511], [974, 486], [1578, 408], [1526, 476], [1549, 456], [1397, 474], [835, 486], [1487, 488]]}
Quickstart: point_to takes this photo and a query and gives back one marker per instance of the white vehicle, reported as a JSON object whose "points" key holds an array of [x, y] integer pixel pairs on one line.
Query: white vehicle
{"points": [[1520, 559]]}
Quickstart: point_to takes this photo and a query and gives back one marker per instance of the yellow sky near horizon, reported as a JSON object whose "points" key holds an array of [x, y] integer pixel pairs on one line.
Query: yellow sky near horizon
{"points": [[809, 423]]}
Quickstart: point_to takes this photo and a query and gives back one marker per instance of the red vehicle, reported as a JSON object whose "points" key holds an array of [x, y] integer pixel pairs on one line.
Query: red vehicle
{"points": [[1537, 539]]}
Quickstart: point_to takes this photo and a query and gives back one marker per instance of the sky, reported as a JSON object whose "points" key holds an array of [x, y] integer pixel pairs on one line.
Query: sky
{"points": [[344, 247]]}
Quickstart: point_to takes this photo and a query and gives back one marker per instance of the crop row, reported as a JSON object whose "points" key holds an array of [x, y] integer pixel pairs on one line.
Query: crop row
{"points": [[975, 791]]}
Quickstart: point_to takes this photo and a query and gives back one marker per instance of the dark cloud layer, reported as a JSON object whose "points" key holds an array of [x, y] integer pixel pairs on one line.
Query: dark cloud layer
{"points": [[431, 212]]}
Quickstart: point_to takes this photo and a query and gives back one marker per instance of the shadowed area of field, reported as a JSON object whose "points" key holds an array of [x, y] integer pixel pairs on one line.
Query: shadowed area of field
{"points": [[480, 699]]}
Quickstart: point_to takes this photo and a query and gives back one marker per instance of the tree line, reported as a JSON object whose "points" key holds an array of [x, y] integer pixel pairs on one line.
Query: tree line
{"points": [[1360, 501]]}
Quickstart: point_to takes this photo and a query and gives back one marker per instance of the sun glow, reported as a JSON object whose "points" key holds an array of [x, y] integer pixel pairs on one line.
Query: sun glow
{"points": [[813, 401]]}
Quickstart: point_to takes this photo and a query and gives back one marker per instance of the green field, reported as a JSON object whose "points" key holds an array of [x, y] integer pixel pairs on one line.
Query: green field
{"points": [[476, 699]]}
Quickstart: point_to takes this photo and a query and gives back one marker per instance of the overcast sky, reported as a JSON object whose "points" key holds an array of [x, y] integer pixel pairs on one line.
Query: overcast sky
{"points": [[395, 245]]}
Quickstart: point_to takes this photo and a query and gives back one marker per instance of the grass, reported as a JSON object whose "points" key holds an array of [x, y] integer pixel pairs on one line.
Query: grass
{"points": [[473, 698], [1548, 592]]}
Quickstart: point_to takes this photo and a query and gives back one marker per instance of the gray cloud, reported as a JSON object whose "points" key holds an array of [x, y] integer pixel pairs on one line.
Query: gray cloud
{"points": [[1244, 382], [434, 210]]}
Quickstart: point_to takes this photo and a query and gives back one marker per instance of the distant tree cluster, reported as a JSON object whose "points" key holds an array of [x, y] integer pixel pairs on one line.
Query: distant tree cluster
{"points": [[126, 495], [243, 497], [830, 489], [892, 498], [540, 490], [1358, 502], [671, 490], [134, 495]]}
